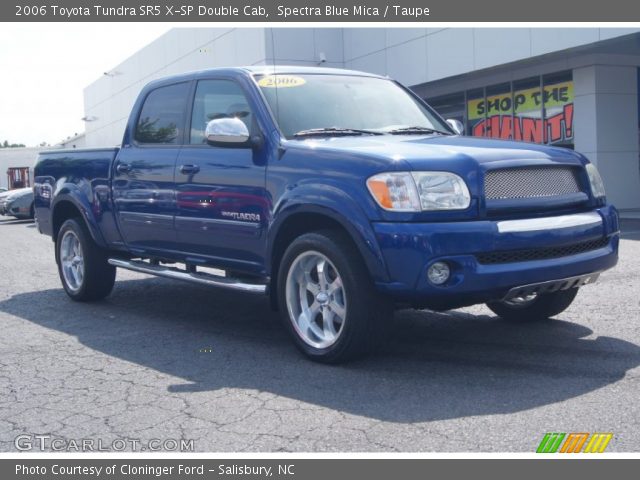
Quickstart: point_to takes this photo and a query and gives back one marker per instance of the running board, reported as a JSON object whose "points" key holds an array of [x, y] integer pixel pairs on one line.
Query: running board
{"points": [[193, 277]]}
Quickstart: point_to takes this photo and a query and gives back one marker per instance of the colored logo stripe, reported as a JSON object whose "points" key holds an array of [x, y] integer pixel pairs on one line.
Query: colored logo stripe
{"points": [[598, 442], [550, 443], [574, 442]]}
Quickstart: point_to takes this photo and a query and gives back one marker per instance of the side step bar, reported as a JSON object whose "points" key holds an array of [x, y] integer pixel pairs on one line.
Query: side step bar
{"points": [[194, 277], [552, 286]]}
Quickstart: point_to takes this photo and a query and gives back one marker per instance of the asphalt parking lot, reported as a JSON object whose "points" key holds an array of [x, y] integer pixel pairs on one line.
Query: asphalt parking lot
{"points": [[166, 360]]}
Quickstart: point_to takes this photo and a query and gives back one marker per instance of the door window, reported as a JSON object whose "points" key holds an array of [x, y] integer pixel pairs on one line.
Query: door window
{"points": [[162, 115], [217, 99]]}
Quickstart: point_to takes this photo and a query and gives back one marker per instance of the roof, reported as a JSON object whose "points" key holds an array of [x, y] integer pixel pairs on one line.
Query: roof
{"points": [[282, 69], [260, 69]]}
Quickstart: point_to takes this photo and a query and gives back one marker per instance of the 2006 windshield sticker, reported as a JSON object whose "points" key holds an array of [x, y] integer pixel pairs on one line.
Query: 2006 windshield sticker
{"points": [[281, 81]]}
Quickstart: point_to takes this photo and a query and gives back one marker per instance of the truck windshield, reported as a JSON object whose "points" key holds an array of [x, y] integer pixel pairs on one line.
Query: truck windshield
{"points": [[320, 104]]}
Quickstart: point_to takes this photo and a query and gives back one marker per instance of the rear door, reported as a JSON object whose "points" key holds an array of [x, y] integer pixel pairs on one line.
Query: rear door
{"points": [[222, 205], [143, 178]]}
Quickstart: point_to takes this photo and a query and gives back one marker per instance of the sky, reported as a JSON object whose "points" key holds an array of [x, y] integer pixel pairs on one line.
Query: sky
{"points": [[45, 67]]}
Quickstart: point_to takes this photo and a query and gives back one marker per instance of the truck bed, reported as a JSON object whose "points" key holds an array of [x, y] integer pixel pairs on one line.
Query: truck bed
{"points": [[80, 176]]}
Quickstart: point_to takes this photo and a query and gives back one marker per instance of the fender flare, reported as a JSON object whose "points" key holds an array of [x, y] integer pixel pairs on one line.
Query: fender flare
{"points": [[335, 204], [72, 194]]}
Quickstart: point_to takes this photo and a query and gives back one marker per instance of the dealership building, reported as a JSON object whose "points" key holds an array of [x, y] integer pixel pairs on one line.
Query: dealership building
{"points": [[571, 87]]}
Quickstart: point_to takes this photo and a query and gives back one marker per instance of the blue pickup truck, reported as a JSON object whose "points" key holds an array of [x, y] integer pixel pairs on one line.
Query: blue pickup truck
{"points": [[340, 195]]}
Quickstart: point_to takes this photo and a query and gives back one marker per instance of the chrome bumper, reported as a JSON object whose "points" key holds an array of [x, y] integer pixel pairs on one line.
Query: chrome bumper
{"points": [[550, 223]]}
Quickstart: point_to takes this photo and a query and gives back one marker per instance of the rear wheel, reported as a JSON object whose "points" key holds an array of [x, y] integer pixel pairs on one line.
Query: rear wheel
{"points": [[82, 265], [327, 299], [534, 307]]}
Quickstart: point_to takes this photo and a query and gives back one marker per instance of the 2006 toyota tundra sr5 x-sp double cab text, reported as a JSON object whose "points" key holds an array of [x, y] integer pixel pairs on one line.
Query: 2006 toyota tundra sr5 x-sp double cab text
{"points": [[339, 194]]}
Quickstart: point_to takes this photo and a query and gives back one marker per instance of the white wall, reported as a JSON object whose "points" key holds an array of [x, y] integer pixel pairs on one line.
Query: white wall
{"points": [[606, 92], [79, 141], [420, 55], [305, 46], [606, 127], [410, 55], [17, 157], [110, 98]]}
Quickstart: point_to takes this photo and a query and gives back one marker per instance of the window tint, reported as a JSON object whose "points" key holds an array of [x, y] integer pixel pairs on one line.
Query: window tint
{"points": [[302, 102], [217, 99], [162, 115]]}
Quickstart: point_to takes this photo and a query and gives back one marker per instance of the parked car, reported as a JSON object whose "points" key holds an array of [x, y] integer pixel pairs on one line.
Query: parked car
{"points": [[338, 194], [17, 203]]}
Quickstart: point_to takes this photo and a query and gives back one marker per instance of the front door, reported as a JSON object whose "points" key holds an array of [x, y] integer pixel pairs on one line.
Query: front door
{"points": [[143, 178], [222, 205]]}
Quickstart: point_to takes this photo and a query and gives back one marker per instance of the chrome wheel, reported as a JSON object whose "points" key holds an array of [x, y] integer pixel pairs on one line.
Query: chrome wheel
{"points": [[316, 299], [72, 261]]}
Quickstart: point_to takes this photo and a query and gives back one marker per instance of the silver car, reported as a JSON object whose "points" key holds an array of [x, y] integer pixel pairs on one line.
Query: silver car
{"points": [[17, 203]]}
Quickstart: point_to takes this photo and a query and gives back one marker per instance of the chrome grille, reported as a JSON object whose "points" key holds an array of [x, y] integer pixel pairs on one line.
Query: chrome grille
{"points": [[530, 182]]}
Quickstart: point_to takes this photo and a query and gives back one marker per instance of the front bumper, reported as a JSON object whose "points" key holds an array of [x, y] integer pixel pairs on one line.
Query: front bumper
{"points": [[488, 258]]}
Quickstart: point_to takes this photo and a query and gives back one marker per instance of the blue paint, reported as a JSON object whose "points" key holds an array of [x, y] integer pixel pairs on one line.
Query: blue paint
{"points": [[228, 213]]}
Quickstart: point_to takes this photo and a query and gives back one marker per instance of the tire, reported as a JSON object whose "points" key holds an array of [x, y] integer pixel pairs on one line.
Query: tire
{"points": [[87, 276], [345, 317], [541, 307]]}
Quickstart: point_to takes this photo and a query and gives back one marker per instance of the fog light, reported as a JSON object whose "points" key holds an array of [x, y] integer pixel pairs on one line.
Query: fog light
{"points": [[438, 273]]}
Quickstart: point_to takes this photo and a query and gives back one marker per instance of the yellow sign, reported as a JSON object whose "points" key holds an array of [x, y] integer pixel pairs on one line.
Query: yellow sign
{"points": [[556, 95], [281, 81]]}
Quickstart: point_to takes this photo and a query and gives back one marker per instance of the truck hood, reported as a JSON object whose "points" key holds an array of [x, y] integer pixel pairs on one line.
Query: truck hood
{"points": [[444, 152]]}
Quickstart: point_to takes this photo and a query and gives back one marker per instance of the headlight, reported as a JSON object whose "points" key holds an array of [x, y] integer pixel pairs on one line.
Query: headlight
{"points": [[597, 185], [416, 191], [441, 191], [395, 191]]}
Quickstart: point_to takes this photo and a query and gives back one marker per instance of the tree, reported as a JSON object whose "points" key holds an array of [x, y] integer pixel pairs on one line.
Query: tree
{"points": [[6, 144], [147, 132]]}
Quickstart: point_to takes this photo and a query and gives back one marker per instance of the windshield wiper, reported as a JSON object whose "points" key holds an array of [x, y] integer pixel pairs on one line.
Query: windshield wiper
{"points": [[334, 131], [415, 131]]}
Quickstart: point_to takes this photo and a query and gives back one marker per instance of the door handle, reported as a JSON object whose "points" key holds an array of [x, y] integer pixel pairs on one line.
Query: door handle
{"points": [[188, 169], [123, 168]]}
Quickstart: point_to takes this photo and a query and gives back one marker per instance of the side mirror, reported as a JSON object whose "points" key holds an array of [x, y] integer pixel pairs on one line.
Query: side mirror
{"points": [[456, 125], [227, 132]]}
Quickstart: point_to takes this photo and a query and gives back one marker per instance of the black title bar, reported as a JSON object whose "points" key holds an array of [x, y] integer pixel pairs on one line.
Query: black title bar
{"points": [[312, 469], [319, 11]]}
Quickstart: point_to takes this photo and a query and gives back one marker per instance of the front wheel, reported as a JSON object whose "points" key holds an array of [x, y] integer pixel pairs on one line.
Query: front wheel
{"points": [[327, 299], [534, 307], [82, 265]]}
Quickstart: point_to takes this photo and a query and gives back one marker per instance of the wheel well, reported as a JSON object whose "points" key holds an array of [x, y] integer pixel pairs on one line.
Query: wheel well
{"points": [[63, 212], [294, 226]]}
